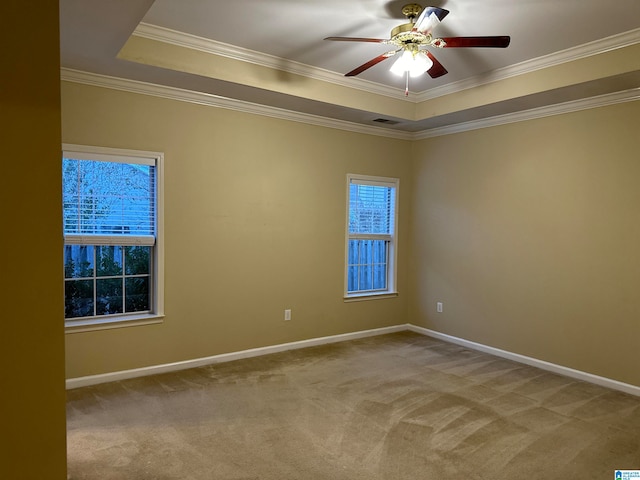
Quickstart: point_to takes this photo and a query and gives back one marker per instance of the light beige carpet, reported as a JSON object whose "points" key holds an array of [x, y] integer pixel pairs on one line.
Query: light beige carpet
{"points": [[400, 406]]}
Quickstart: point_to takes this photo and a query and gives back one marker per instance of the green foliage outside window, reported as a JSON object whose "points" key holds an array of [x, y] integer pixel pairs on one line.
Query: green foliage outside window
{"points": [[109, 288]]}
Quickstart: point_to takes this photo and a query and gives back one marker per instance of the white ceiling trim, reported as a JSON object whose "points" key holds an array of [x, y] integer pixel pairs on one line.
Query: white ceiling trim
{"points": [[535, 113], [200, 98], [613, 42], [181, 39]]}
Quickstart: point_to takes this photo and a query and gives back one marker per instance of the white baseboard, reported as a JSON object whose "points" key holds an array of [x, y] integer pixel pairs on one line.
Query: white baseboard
{"points": [[225, 357], [256, 352], [534, 362]]}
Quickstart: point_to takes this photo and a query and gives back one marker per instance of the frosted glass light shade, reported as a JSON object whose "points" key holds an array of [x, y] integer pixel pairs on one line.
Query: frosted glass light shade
{"points": [[402, 64], [414, 63], [421, 63]]}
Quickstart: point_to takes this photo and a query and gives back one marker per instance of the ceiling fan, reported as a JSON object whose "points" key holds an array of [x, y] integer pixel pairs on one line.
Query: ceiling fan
{"points": [[409, 37]]}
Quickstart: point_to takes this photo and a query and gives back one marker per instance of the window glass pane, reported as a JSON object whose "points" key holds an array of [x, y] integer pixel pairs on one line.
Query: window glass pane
{"points": [[137, 295], [352, 279], [365, 279], [137, 260], [367, 269], [353, 252], [109, 296], [109, 260], [366, 251], [379, 277], [112, 295], [78, 298], [380, 251], [78, 261]]}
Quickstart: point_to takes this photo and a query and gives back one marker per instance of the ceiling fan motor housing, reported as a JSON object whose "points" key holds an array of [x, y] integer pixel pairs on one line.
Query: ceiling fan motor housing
{"points": [[403, 35], [411, 10]]}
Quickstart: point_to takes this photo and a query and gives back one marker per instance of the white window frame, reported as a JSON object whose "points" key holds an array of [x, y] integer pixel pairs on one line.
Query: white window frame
{"points": [[391, 290], [85, 152]]}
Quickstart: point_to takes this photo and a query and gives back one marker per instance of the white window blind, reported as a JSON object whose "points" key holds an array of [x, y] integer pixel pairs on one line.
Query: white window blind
{"points": [[107, 202], [371, 209]]}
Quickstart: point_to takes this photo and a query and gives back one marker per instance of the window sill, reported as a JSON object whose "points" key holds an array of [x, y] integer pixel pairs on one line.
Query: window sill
{"points": [[93, 324], [360, 297]]}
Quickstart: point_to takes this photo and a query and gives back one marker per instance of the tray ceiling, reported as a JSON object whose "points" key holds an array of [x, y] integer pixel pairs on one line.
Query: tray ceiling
{"points": [[271, 53]]}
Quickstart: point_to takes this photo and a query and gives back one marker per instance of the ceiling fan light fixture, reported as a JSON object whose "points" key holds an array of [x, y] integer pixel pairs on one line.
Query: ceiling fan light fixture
{"points": [[421, 63], [402, 64], [414, 63]]}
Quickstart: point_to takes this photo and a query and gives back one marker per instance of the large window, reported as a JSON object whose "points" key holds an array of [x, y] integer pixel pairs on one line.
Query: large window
{"points": [[371, 236], [111, 214]]}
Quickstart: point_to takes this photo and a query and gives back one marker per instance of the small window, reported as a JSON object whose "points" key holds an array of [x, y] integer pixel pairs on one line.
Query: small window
{"points": [[371, 236], [111, 214]]}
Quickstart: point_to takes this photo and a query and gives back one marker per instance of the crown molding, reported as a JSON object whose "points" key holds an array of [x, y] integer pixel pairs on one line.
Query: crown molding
{"points": [[200, 98], [534, 113], [181, 39], [596, 47], [172, 93]]}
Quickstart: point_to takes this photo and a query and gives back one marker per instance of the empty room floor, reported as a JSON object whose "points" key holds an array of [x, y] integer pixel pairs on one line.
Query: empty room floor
{"points": [[398, 406]]}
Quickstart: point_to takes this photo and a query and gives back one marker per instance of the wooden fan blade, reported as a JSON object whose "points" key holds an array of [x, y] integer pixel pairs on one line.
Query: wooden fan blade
{"points": [[371, 63], [436, 70], [428, 19], [356, 39], [490, 42]]}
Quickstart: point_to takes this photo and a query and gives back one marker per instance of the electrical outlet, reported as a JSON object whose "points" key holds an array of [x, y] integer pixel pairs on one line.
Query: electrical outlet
{"points": [[439, 307], [287, 314]]}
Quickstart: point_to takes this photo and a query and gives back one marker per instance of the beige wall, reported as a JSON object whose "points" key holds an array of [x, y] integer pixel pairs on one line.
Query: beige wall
{"points": [[254, 224], [528, 233], [32, 403]]}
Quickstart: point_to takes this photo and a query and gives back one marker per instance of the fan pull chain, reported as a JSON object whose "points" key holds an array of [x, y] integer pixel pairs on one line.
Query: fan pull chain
{"points": [[406, 88]]}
